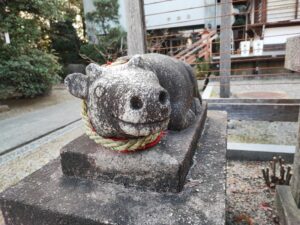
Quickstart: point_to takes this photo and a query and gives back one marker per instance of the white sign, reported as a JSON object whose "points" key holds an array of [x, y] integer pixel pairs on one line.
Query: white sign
{"points": [[7, 39], [245, 48], [258, 46]]}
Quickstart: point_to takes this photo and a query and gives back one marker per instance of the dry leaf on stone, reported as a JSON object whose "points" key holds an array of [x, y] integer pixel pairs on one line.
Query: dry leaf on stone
{"points": [[265, 206], [244, 218]]}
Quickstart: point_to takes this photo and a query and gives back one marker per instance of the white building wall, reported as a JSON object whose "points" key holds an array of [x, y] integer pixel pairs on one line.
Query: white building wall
{"points": [[184, 13], [280, 10], [196, 12], [279, 35]]}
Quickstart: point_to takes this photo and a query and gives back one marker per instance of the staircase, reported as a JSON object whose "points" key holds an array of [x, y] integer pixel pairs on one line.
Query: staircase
{"points": [[202, 48]]}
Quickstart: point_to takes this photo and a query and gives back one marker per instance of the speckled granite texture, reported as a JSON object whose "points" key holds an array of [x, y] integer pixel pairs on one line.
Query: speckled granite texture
{"points": [[288, 198], [47, 197], [292, 56], [147, 94], [161, 168]]}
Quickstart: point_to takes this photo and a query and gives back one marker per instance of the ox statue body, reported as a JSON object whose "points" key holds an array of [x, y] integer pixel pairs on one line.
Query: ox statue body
{"points": [[146, 94]]}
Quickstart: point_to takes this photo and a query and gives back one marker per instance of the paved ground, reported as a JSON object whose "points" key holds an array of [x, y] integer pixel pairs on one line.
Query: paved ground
{"points": [[34, 120], [262, 132], [58, 95], [287, 87], [46, 122], [29, 158]]}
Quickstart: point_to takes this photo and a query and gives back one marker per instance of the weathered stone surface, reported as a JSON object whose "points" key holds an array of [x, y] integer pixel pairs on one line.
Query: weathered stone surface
{"points": [[288, 197], [139, 97], [47, 197], [288, 211], [295, 182], [161, 168], [292, 56]]}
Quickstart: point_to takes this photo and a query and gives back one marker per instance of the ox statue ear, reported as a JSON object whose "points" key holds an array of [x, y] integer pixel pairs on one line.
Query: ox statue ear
{"points": [[93, 70], [136, 61], [77, 85]]}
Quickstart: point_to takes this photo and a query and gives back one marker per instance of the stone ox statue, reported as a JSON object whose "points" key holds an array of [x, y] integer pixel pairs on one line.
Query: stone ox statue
{"points": [[146, 94]]}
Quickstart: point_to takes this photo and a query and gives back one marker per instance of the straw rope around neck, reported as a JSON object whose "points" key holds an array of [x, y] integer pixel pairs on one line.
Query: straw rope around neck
{"points": [[121, 145]]}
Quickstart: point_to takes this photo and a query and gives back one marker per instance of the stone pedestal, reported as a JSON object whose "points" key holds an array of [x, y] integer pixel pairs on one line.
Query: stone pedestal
{"points": [[288, 198], [292, 56], [161, 168], [106, 191]]}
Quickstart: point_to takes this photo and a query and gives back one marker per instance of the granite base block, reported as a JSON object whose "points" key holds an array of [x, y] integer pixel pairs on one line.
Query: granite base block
{"points": [[48, 197], [161, 168]]}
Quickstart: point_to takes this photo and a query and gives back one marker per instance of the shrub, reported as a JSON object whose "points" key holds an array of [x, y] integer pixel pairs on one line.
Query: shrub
{"points": [[110, 47], [92, 52], [29, 74], [65, 41]]}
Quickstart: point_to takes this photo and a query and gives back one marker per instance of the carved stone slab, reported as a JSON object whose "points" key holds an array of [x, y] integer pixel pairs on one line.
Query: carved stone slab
{"points": [[161, 168], [47, 197]]}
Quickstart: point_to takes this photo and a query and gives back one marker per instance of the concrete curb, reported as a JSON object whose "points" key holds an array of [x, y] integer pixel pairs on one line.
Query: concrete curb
{"points": [[207, 92], [259, 152]]}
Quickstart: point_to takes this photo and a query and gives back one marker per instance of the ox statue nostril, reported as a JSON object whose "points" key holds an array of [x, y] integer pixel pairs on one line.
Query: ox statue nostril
{"points": [[163, 97], [136, 103]]}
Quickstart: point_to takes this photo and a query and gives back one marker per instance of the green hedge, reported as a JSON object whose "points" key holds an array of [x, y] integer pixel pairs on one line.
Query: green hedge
{"points": [[29, 74]]}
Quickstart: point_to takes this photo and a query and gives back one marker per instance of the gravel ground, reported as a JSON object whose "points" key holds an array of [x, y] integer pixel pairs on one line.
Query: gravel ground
{"points": [[262, 132], [249, 201]]}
